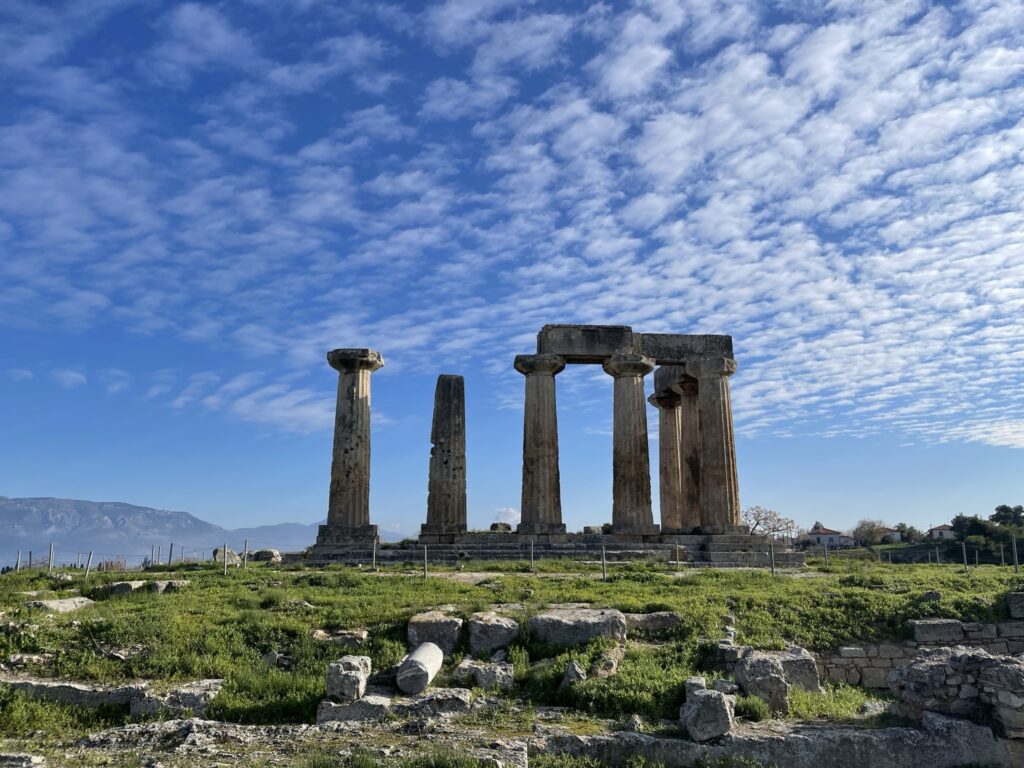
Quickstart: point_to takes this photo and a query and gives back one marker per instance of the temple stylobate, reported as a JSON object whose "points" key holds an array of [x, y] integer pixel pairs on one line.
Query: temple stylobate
{"points": [[697, 479]]}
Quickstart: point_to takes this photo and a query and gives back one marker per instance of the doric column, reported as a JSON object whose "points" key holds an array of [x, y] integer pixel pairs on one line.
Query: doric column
{"points": [[719, 489], [670, 479], [690, 453], [541, 508], [348, 510], [631, 466], [446, 486]]}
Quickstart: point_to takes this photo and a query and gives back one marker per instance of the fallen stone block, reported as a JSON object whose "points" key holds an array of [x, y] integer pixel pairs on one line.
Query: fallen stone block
{"points": [[64, 605], [369, 707], [347, 677], [419, 668], [192, 697], [485, 675], [269, 555], [574, 673], [1015, 604], [435, 627], [569, 627], [489, 632], [19, 760], [78, 694], [122, 588], [800, 669], [761, 674], [346, 638], [706, 714], [168, 585]]}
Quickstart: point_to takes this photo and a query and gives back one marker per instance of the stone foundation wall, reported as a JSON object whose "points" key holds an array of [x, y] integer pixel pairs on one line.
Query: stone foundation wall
{"points": [[869, 664]]}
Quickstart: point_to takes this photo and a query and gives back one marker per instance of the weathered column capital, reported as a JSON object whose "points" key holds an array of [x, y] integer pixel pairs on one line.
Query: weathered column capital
{"points": [[711, 367], [546, 364], [349, 360], [667, 399], [686, 387], [627, 365]]}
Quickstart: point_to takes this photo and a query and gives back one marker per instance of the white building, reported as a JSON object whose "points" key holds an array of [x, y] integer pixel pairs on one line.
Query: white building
{"points": [[941, 532]]}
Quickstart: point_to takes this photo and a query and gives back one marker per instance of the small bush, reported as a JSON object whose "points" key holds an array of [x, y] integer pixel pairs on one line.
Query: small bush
{"points": [[752, 708]]}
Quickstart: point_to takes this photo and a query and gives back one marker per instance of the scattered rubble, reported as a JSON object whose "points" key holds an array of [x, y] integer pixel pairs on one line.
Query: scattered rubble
{"points": [[347, 677], [63, 605], [190, 698], [705, 714]]}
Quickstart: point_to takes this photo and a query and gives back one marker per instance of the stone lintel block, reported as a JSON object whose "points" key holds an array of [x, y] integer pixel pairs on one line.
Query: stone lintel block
{"points": [[354, 359], [585, 343], [667, 376], [874, 678], [677, 348], [1015, 604], [937, 630]]}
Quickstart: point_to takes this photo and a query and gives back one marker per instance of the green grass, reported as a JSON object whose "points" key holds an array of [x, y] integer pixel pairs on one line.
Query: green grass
{"points": [[838, 702], [221, 626]]}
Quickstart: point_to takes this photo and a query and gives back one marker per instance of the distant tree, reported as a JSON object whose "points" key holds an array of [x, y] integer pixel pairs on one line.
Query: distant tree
{"points": [[972, 525], [869, 532], [1007, 515], [766, 522], [909, 533], [817, 526]]}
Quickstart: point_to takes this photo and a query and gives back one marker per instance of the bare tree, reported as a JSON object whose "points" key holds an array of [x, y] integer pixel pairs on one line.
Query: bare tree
{"points": [[766, 522], [869, 532]]}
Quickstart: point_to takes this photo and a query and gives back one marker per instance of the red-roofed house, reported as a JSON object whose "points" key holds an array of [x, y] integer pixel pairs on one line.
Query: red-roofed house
{"points": [[823, 537]]}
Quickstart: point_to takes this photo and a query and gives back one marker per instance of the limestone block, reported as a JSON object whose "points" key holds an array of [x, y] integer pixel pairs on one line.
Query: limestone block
{"points": [[20, 760], [695, 683], [1012, 630], [346, 638], [873, 677], [419, 668], [937, 630], [123, 587], [706, 714], [269, 555], [232, 556], [64, 605], [568, 627], [1015, 604], [373, 707], [762, 675], [574, 673], [489, 632], [485, 675], [192, 697], [346, 678], [852, 652], [168, 585], [438, 702], [79, 694], [889, 651], [658, 624], [607, 663], [725, 686], [437, 628], [800, 669]]}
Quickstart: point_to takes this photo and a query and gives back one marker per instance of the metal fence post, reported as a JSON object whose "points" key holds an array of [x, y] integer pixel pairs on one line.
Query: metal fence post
{"points": [[771, 554], [224, 554], [49, 563], [1016, 564], [963, 549], [424, 561], [88, 564], [375, 554], [17, 567], [1002, 554], [245, 555], [604, 564], [531, 555]]}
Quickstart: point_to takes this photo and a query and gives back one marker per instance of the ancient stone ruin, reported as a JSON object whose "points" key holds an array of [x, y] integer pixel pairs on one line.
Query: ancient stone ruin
{"points": [[698, 487]]}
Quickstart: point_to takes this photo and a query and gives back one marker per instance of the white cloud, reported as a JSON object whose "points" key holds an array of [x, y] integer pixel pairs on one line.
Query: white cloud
{"points": [[115, 380], [68, 378], [508, 515], [197, 37], [19, 374]]}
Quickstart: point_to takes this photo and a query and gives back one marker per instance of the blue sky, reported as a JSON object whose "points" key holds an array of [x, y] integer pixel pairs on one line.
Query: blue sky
{"points": [[197, 201]]}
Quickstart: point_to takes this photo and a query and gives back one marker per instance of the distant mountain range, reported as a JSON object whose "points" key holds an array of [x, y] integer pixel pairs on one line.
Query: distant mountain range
{"points": [[112, 528]]}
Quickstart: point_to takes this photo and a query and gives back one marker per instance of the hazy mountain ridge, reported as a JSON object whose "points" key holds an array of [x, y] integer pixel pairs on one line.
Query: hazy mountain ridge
{"points": [[113, 527]]}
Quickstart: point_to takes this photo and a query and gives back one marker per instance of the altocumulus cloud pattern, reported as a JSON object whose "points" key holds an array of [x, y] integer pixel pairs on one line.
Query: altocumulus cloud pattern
{"points": [[838, 185]]}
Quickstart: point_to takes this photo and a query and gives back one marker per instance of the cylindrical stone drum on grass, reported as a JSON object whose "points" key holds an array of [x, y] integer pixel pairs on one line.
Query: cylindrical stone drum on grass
{"points": [[419, 668]]}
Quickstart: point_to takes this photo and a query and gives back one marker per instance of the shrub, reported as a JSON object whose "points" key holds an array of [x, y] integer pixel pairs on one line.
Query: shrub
{"points": [[752, 708]]}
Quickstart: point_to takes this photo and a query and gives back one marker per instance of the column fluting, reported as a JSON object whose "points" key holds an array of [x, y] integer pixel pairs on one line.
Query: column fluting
{"points": [[670, 479], [719, 488], [541, 504]]}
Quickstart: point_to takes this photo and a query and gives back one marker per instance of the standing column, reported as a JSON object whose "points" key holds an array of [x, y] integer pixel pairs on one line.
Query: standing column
{"points": [[631, 466], [348, 510], [719, 488], [690, 450], [446, 487], [541, 511], [670, 479]]}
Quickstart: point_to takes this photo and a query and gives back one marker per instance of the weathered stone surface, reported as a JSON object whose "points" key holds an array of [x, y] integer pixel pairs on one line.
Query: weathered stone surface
{"points": [[369, 707], [346, 678], [568, 627], [269, 555], [574, 673], [488, 632], [345, 638], [762, 674], [966, 682], [191, 698], [631, 470], [1011, 629], [607, 662], [725, 686], [20, 760], [658, 624], [941, 742], [419, 668], [446, 487], [485, 675], [800, 669], [585, 343], [1015, 604], [705, 714], [169, 585], [937, 630], [64, 605], [79, 694], [232, 556], [501, 528], [541, 501], [123, 587], [435, 627], [719, 486]]}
